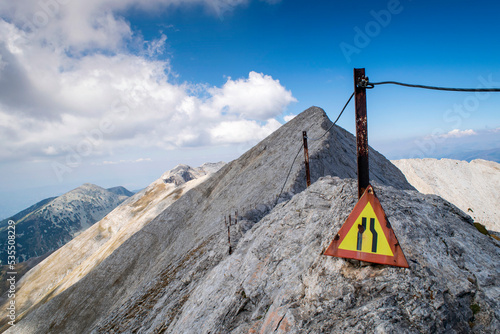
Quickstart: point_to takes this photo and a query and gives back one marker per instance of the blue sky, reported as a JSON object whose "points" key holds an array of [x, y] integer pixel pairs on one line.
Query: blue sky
{"points": [[116, 92]]}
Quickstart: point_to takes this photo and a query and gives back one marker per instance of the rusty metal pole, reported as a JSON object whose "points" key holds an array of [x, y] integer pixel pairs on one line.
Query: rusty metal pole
{"points": [[361, 129], [306, 158], [228, 233]]}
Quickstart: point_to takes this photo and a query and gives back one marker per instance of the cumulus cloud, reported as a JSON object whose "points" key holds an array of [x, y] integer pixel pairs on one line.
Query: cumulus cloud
{"points": [[242, 131], [80, 25], [456, 133], [258, 97], [69, 84]]}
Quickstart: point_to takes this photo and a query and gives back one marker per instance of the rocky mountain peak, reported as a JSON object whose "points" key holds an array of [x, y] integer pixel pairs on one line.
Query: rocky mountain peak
{"points": [[182, 173], [120, 191], [212, 167], [175, 275], [52, 223]]}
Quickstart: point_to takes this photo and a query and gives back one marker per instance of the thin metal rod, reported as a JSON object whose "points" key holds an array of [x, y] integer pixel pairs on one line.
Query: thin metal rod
{"points": [[306, 158], [228, 233]]}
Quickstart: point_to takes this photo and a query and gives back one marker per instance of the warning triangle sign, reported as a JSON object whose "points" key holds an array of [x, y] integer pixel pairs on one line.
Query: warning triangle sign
{"points": [[367, 235]]}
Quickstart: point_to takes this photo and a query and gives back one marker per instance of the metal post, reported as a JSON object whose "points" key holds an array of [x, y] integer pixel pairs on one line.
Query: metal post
{"points": [[228, 233], [306, 158], [361, 130]]}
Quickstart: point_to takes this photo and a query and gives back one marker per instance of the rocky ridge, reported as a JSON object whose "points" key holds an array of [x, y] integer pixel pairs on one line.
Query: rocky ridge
{"points": [[278, 281], [471, 186], [144, 283], [70, 263]]}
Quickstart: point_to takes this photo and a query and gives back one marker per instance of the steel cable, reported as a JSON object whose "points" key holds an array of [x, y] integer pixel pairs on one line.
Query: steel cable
{"points": [[338, 117], [371, 85]]}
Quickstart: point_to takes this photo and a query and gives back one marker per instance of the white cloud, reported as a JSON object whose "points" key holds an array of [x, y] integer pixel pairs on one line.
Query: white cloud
{"points": [[242, 131], [258, 97], [68, 84], [456, 133], [82, 25], [288, 118], [157, 46]]}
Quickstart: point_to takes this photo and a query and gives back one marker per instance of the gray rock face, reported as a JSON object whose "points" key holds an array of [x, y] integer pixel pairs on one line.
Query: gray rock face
{"points": [[184, 173], [472, 186], [277, 279], [146, 283]]}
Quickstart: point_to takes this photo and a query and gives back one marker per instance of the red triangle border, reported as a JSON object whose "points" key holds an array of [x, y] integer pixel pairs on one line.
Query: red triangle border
{"points": [[398, 259]]}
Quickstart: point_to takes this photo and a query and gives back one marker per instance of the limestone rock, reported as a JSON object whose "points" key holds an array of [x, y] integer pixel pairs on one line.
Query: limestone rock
{"points": [[184, 173], [144, 284], [471, 186], [278, 281]]}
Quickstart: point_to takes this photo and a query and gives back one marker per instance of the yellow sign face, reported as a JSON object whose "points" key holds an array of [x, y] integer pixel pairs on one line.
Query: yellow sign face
{"points": [[366, 235]]}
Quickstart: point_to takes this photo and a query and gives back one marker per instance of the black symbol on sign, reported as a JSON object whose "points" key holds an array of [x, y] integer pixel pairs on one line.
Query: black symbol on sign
{"points": [[361, 229]]}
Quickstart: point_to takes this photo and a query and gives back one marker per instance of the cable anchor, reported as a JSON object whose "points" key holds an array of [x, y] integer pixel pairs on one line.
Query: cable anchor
{"points": [[364, 82]]}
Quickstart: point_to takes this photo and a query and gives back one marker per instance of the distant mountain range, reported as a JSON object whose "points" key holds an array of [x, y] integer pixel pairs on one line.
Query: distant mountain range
{"points": [[18, 216], [491, 155], [121, 191], [52, 222]]}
